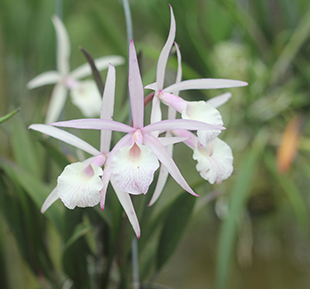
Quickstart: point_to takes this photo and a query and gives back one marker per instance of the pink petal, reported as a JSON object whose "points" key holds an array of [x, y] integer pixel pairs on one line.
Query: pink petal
{"points": [[95, 123], [172, 124], [44, 78], [135, 88], [204, 83], [65, 137], [107, 107], [126, 203], [166, 159]]}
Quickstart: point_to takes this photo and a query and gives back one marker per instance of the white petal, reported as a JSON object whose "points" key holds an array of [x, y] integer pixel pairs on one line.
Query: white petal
{"points": [[133, 168], [52, 197], [57, 102], [87, 98], [219, 100], [80, 185], [107, 108], [204, 83], [163, 58], [65, 137], [125, 200], [63, 46], [101, 64], [44, 78], [202, 111], [214, 161]]}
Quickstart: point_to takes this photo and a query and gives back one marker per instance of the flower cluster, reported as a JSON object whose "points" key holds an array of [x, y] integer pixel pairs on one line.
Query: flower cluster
{"points": [[130, 165]]}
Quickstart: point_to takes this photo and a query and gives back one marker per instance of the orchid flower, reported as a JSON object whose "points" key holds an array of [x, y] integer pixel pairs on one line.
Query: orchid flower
{"points": [[80, 184], [196, 110], [134, 159], [84, 94], [214, 160]]}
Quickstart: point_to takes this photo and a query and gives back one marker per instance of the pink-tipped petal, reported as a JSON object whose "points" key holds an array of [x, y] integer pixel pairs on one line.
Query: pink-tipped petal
{"points": [[219, 100], [63, 46], [95, 123], [163, 58], [107, 109], [65, 137], [52, 197], [125, 200], [57, 102], [101, 64], [205, 83], [166, 159], [168, 141], [44, 78], [135, 88]]}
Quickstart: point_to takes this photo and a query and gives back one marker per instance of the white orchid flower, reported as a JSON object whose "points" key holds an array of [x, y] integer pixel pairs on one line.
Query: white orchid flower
{"points": [[84, 94]]}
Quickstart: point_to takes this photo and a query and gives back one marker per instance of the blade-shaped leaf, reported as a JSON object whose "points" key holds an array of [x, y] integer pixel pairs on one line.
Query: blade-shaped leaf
{"points": [[177, 219]]}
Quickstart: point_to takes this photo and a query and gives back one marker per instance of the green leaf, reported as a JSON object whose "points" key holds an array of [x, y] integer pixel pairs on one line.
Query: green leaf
{"points": [[9, 115], [23, 147], [238, 197], [289, 188], [36, 189], [177, 219], [79, 231]]}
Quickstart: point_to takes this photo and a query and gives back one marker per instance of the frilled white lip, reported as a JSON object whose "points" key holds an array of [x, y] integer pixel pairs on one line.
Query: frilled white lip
{"points": [[214, 161], [79, 185], [133, 168]]}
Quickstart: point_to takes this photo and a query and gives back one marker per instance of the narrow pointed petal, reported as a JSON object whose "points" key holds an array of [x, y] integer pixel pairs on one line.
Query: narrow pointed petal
{"points": [[57, 102], [156, 111], [101, 64], [179, 71], [95, 123], [166, 159], [52, 197], [152, 86], [219, 100], [126, 202], [105, 181], [44, 78], [65, 137], [63, 46], [85, 95], [135, 88], [161, 181], [107, 107], [190, 140], [168, 141], [163, 58], [205, 83], [163, 175], [172, 124]]}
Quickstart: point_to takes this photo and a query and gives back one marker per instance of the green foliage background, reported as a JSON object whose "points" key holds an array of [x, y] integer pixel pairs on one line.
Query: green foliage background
{"points": [[252, 231]]}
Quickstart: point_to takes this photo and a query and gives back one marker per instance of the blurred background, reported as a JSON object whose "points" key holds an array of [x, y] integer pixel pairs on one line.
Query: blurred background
{"points": [[251, 231]]}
